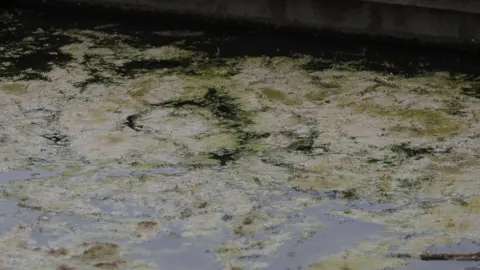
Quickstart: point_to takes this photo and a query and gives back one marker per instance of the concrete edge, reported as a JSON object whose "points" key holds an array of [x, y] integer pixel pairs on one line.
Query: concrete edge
{"points": [[212, 19]]}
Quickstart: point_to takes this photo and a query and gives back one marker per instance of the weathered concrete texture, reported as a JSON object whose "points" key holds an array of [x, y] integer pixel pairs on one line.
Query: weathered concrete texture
{"points": [[439, 21]]}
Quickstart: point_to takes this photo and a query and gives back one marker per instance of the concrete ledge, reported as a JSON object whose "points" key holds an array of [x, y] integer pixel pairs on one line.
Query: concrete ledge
{"points": [[468, 6], [440, 21]]}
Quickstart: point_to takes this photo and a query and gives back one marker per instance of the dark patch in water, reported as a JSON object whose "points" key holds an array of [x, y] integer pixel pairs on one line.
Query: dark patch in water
{"points": [[247, 136], [385, 161], [131, 122], [224, 156], [180, 103], [305, 143], [218, 103], [350, 194], [57, 139], [412, 151], [227, 217], [221, 105]]}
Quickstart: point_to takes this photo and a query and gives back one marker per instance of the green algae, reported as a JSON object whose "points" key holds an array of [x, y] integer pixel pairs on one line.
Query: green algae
{"points": [[100, 251], [14, 88], [432, 122], [274, 94], [361, 262], [277, 95], [435, 122], [249, 224], [124, 103], [228, 247]]}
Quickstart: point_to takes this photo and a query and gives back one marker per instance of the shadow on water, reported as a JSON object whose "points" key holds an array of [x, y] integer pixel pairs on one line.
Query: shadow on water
{"points": [[225, 41]]}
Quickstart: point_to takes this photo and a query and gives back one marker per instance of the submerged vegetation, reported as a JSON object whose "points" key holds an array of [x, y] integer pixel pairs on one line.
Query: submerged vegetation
{"points": [[238, 148]]}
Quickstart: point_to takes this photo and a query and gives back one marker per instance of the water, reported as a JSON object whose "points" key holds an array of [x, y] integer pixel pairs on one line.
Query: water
{"points": [[178, 144], [464, 246]]}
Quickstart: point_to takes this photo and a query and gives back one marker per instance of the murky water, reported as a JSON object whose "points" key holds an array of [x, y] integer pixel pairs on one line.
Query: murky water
{"points": [[130, 141]]}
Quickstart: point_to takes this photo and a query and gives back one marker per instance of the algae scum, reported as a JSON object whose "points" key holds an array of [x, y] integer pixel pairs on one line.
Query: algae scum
{"points": [[128, 144]]}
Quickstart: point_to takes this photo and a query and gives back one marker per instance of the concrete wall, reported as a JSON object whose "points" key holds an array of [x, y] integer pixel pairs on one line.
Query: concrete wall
{"points": [[470, 6], [446, 21]]}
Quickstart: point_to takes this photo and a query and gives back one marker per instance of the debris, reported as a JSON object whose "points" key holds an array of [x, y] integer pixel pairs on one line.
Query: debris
{"points": [[450, 257]]}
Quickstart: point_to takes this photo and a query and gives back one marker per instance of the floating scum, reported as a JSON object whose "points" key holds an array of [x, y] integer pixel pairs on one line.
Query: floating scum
{"points": [[240, 155]]}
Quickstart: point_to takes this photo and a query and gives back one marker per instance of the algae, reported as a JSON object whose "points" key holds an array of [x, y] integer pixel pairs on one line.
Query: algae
{"points": [[257, 136]]}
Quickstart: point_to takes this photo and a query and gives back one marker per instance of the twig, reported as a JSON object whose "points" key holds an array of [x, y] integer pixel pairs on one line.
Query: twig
{"points": [[450, 257]]}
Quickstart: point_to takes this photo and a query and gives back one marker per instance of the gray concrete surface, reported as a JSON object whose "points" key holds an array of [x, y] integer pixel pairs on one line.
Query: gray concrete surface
{"points": [[442, 21]]}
